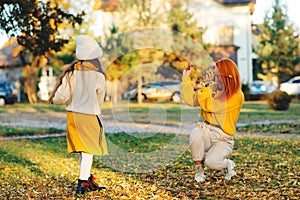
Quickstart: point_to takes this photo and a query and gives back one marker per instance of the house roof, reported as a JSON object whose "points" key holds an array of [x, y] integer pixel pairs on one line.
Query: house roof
{"points": [[234, 2], [9, 54], [108, 5]]}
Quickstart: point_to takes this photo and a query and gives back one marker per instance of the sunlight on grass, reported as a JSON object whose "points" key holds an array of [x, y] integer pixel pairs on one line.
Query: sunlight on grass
{"points": [[42, 169], [31, 108], [21, 131], [253, 111]]}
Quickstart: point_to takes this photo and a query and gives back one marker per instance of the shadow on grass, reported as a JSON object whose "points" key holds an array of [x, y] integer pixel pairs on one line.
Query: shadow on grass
{"points": [[10, 158]]}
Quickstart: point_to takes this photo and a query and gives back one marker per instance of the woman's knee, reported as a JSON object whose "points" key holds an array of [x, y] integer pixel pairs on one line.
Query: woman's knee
{"points": [[214, 163]]}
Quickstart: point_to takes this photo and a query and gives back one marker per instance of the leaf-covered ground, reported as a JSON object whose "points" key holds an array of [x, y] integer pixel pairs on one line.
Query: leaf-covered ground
{"points": [[41, 169]]}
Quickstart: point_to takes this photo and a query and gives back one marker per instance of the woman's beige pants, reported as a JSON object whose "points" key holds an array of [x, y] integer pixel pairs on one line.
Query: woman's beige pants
{"points": [[210, 144]]}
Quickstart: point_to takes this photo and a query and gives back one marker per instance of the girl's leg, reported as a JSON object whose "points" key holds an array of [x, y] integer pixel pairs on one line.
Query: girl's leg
{"points": [[86, 161], [86, 178]]}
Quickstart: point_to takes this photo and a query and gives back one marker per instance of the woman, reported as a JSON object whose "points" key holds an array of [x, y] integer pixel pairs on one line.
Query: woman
{"points": [[82, 88], [220, 99]]}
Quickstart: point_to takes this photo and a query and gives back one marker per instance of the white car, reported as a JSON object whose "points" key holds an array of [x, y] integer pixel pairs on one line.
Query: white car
{"points": [[292, 86], [164, 90]]}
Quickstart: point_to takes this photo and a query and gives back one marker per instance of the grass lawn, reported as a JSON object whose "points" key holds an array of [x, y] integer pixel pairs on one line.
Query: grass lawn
{"points": [[20, 131], [153, 166], [252, 113], [173, 114], [41, 169]]}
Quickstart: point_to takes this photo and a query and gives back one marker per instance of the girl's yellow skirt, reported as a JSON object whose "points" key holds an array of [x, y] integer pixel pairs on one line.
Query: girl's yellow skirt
{"points": [[85, 133]]}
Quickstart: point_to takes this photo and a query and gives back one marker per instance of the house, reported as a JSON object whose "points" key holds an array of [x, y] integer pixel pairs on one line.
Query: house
{"points": [[10, 61], [227, 23], [11, 66]]}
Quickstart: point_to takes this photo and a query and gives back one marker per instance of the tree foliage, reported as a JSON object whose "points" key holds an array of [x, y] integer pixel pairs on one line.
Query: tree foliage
{"points": [[36, 24], [150, 46], [181, 20], [188, 41], [141, 14], [277, 44]]}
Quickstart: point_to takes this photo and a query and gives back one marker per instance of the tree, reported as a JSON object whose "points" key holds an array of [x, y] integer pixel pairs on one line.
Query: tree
{"points": [[277, 44], [137, 14], [141, 14], [36, 24], [188, 43], [181, 20], [117, 58]]}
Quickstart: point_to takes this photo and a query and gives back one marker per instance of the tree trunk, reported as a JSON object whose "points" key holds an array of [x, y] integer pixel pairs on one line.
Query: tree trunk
{"points": [[30, 73], [114, 95], [139, 96], [30, 88]]}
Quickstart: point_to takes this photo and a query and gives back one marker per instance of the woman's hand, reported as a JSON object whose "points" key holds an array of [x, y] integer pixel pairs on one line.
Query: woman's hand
{"points": [[187, 71], [208, 77]]}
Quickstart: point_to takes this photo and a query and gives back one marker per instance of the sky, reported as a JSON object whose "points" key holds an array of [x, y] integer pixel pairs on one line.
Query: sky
{"points": [[260, 9], [263, 6]]}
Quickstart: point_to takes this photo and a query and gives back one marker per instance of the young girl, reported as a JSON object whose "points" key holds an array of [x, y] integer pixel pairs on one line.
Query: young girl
{"points": [[220, 100], [82, 88]]}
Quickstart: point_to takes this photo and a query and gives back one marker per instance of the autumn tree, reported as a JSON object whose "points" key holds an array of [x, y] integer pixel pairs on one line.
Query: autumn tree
{"points": [[36, 24], [277, 44], [188, 43], [117, 59], [131, 18]]}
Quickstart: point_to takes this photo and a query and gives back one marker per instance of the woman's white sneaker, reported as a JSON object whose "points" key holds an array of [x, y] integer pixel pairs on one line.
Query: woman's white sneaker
{"points": [[229, 171], [199, 177]]}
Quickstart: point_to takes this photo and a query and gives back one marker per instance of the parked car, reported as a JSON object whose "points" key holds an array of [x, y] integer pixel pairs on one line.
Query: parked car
{"points": [[6, 95], [292, 86], [261, 87], [164, 90]]}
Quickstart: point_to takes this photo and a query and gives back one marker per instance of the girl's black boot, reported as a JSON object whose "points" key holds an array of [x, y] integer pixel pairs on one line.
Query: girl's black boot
{"points": [[94, 185], [83, 187]]}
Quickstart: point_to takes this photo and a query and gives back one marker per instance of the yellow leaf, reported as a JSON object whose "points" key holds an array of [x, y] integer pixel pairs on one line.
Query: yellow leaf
{"points": [[153, 188]]}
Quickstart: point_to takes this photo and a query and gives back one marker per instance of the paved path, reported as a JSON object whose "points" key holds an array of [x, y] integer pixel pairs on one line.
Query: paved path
{"points": [[58, 120]]}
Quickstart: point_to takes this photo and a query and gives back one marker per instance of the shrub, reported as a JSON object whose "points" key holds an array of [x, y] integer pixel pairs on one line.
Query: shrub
{"points": [[279, 100]]}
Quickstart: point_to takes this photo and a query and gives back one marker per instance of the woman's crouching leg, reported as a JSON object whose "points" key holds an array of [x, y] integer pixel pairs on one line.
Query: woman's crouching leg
{"points": [[216, 157], [197, 145]]}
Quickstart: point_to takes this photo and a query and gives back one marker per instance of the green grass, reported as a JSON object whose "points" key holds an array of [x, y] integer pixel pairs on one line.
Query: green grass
{"points": [[172, 113], [280, 128], [41, 169], [137, 144], [21, 131], [253, 111]]}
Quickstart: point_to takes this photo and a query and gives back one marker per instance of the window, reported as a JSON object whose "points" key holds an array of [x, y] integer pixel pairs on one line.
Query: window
{"points": [[226, 35]]}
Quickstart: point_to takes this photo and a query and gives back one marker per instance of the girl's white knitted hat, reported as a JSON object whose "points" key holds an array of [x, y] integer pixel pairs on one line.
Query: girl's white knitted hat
{"points": [[87, 48]]}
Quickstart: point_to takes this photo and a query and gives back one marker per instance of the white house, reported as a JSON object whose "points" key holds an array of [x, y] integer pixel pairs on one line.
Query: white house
{"points": [[228, 24]]}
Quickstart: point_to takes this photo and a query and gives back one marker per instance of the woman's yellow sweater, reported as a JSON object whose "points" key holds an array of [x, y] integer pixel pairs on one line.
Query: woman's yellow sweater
{"points": [[221, 112]]}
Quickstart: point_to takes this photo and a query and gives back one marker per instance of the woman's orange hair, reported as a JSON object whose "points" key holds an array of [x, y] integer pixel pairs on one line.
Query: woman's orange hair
{"points": [[230, 77]]}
